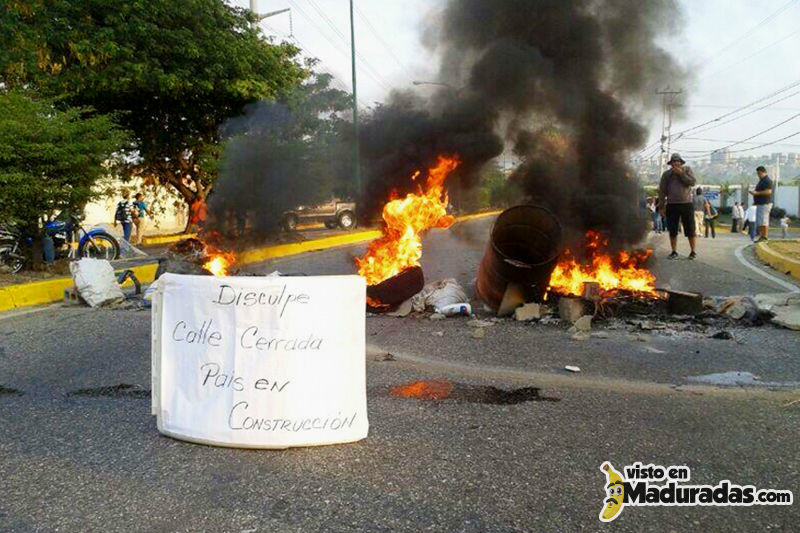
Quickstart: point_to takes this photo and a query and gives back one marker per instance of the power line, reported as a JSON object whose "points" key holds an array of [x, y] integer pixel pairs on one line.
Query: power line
{"points": [[726, 141], [335, 45], [748, 113], [757, 25], [776, 141], [742, 108], [377, 35], [792, 34], [369, 70], [341, 36], [337, 81], [760, 132]]}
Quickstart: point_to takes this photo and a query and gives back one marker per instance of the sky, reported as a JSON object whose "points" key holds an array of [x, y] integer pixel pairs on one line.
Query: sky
{"points": [[738, 51]]}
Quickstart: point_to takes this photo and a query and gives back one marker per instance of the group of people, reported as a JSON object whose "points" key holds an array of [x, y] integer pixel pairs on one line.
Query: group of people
{"points": [[680, 203], [130, 214]]}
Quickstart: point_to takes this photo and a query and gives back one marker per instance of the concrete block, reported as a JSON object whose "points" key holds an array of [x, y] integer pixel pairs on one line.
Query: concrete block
{"points": [[684, 303], [528, 312], [571, 308]]}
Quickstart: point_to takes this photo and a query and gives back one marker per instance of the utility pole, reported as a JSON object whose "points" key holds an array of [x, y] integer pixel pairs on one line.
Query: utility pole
{"points": [[667, 102], [356, 154]]}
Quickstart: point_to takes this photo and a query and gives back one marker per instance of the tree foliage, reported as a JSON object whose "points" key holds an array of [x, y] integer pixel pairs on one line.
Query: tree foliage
{"points": [[173, 72], [50, 159]]}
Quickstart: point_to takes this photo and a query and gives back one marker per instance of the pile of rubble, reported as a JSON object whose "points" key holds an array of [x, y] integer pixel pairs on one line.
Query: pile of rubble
{"points": [[672, 313]]}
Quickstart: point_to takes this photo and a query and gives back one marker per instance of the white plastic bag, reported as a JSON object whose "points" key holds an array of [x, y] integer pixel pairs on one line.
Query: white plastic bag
{"points": [[438, 295], [95, 281]]}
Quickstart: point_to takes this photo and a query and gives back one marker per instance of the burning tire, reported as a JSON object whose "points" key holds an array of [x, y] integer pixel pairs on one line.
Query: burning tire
{"points": [[388, 294], [347, 220]]}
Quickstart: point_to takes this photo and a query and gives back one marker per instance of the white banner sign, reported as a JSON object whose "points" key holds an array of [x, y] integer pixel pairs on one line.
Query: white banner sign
{"points": [[260, 362]]}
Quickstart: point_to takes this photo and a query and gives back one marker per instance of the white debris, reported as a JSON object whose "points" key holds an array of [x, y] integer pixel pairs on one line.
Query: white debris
{"points": [[438, 333], [437, 316], [457, 309], [95, 281], [600, 335], [570, 368], [439, 294]]}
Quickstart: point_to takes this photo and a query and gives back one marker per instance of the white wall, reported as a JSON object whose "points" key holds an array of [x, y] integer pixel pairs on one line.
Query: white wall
{"points": [[168, 218], [788, 197]]}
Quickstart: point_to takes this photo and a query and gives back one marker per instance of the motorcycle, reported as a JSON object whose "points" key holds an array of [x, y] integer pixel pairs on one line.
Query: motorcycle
{"points": [[63, 237]]}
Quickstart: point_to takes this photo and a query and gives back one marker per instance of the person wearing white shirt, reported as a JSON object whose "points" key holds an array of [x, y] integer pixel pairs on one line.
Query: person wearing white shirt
{"points": [[785, 225], [736, 217], [750, 218]]}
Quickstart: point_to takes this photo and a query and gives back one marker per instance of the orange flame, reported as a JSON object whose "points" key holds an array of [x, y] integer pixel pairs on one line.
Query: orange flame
{"points": [[218, 261], [405, 219], [623, 271]]}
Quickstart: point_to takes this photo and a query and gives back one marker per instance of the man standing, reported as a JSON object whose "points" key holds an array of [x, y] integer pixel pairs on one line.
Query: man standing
{"points": [[140, 221], [124, 215], [762, 199], [736, 217], [699, 203], [675, 193]]}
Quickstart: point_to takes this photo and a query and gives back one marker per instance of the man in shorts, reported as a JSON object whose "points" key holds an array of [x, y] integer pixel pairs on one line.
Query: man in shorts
{"points": [[675, 193], [762, 199]]}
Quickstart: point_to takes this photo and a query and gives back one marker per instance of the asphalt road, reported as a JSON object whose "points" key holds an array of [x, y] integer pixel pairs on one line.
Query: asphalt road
{"points": [[97, 463]]}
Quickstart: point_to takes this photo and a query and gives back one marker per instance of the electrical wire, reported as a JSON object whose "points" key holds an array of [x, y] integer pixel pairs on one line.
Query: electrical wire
{"points": [[716, 120], [716, 72], [380, 39], [335, 45], [756, 26], [366, 65]]}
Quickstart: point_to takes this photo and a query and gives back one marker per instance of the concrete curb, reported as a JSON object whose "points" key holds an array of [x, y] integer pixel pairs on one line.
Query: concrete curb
{"points": [[52, 290], [166, 239], [777, 260]]}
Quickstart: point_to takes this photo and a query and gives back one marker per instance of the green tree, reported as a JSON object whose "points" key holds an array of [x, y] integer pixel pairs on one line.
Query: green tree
{"points": [[172, 71], [50, 159]]}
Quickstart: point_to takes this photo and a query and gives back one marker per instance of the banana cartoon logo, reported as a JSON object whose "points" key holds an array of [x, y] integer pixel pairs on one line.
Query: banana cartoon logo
{"points": [[615, 491]]}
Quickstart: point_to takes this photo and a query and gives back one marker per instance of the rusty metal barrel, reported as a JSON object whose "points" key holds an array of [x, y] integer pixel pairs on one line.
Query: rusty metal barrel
{"points": [[523, 249]]}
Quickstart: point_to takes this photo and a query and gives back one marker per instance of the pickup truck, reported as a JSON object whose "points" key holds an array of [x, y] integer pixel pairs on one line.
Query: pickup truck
{"points": [[335, 213]]}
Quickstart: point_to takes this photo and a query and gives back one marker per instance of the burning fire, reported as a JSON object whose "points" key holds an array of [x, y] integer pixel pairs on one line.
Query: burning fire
{"points": [[219, 264], [405, 219], [217, 261], [623, 271]]}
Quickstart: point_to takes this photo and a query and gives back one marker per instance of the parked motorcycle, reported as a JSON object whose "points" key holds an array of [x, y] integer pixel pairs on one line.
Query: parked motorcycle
{"points": [[64, 237]]}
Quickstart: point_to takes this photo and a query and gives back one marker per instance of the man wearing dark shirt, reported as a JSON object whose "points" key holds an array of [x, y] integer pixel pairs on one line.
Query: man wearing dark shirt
{"points": [[762, 199], [675, 199]]}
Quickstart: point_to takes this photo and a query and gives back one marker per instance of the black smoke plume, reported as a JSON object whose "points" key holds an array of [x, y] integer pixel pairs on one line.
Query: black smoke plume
{"points": [[278, 156], [565, 84]]}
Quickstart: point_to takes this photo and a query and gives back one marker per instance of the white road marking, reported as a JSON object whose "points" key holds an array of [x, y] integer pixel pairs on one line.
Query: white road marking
{"points": [[785, 284]]}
